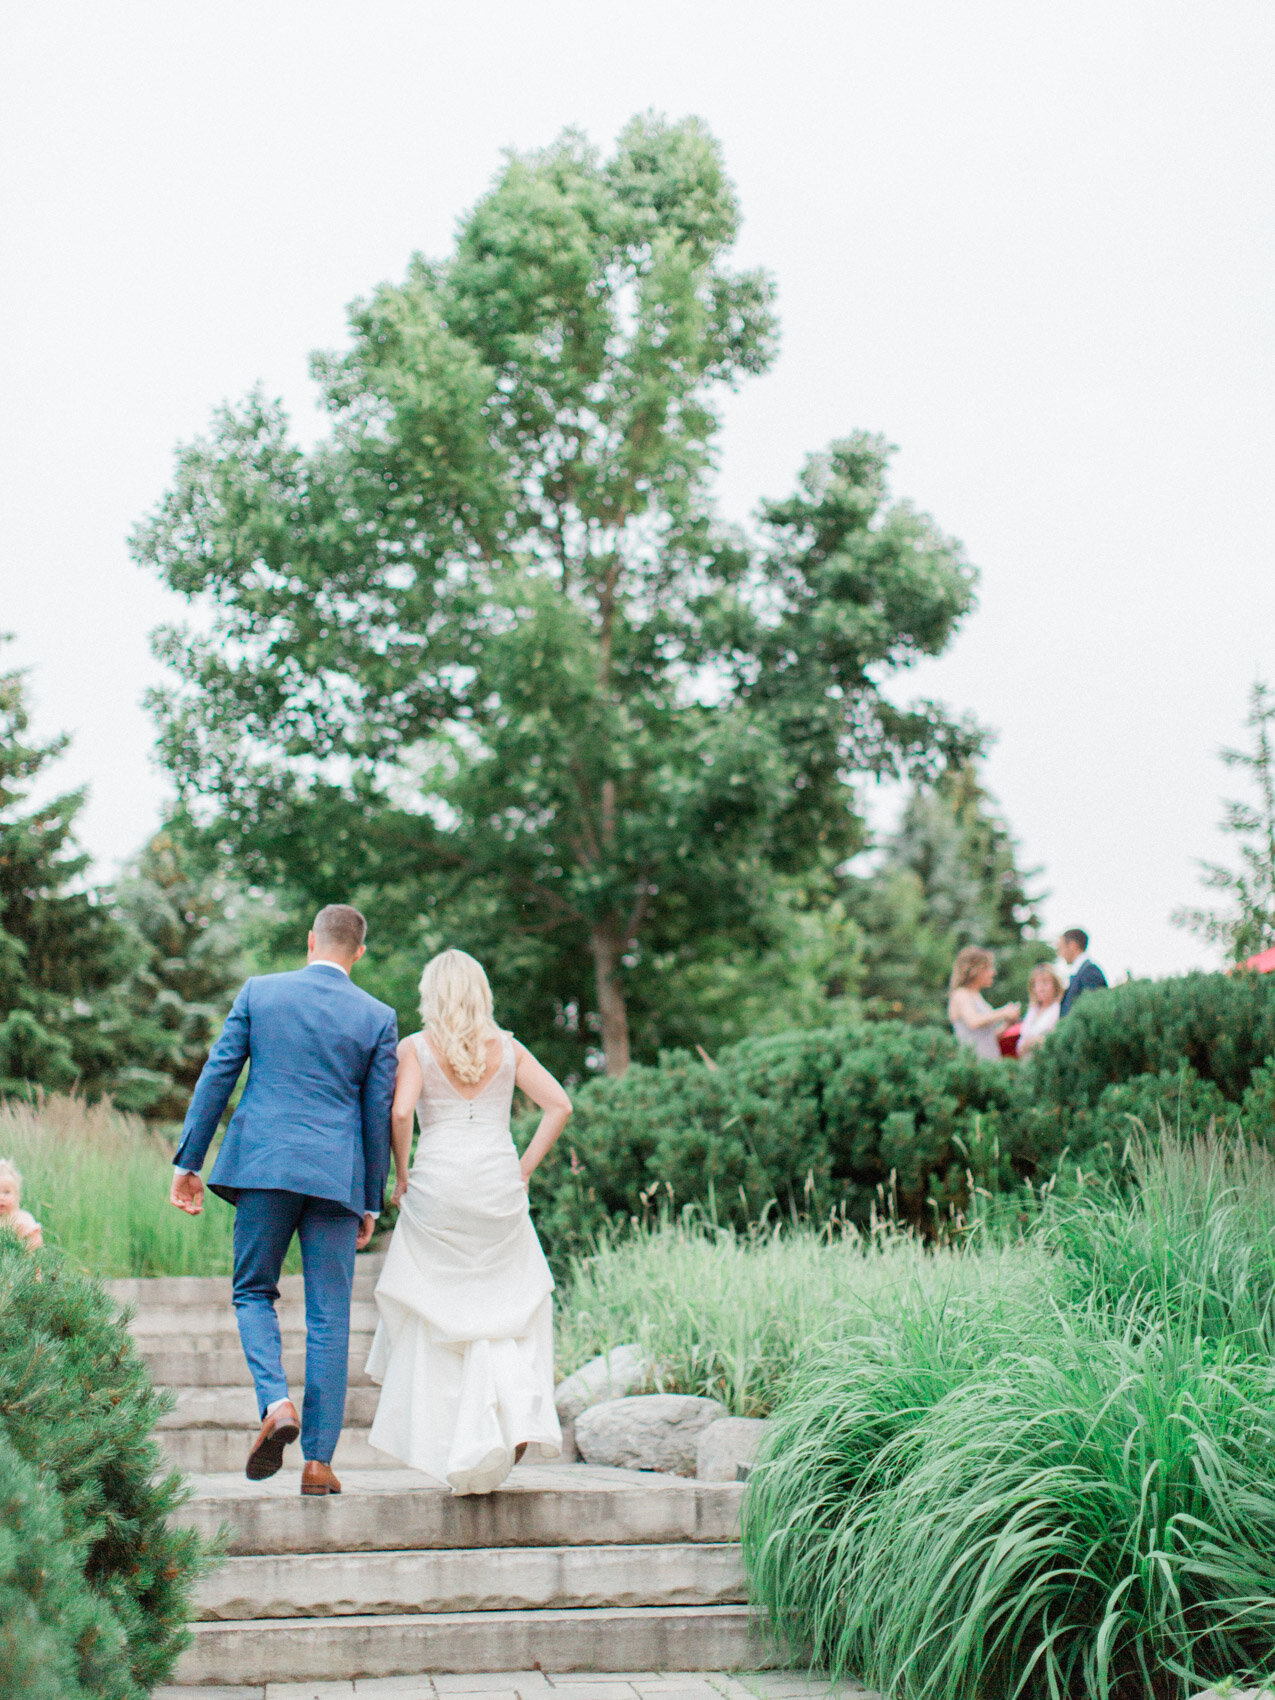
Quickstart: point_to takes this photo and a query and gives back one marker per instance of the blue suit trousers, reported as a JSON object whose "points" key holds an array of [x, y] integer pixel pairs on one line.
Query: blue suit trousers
{"points": [[265, 1222]]}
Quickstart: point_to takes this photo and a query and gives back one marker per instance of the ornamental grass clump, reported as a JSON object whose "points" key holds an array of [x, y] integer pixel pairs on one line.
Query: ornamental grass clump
{"points": [[728, 1313], [1062, 1493], [1189, 1246]]}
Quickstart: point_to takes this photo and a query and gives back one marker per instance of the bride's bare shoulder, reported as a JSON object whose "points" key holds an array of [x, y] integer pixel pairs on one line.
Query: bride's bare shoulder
{"points": [[407, 1048]]}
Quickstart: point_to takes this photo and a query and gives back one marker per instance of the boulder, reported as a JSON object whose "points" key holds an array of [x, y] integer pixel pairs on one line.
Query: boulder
{"points": [[654, 1431], [726, 1449], [611, 1376]]}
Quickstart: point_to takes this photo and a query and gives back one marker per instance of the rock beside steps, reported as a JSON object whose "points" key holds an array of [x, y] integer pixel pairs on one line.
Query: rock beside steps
{"points": [[568, 1567]]}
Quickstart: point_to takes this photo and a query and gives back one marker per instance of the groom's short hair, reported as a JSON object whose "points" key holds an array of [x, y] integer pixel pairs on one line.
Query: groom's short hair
{"points": [[341, 927]]}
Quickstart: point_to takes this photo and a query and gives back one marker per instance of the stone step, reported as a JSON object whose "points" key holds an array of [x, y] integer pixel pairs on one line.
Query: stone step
{"points": [[196, 1327], [203, 1451], [235, 1408], [172, 1365], [177, 1292], [301, 1650], [397, 1510], [364, 1584]]}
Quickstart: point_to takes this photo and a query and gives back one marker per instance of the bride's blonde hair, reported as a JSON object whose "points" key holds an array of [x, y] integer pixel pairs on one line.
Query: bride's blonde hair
{"points": [[456, 1012]]}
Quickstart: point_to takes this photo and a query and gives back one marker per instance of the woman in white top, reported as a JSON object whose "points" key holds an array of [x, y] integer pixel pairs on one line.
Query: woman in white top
{"points": [[1045, 992], [973, 1019], [464, 1348]]}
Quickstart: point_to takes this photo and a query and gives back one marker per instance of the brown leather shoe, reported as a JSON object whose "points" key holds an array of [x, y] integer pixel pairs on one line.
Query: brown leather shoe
{"points": [[317, 1478], [280, 1429]]}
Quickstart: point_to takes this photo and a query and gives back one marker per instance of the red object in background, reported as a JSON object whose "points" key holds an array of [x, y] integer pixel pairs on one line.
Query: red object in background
{"points": [[1263, 962], [1007, 1038]]}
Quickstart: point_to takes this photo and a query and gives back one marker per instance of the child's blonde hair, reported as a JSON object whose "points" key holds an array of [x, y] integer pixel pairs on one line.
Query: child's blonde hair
{"points": [[457, 1012], [10, 1170]]}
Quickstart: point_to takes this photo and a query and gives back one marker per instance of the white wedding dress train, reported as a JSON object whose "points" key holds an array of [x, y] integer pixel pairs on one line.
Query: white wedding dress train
{"points": [[464, 1346]]}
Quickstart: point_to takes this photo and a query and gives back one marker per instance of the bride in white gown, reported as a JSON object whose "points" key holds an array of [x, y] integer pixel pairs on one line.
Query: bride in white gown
{"points": [[464, 1346]]}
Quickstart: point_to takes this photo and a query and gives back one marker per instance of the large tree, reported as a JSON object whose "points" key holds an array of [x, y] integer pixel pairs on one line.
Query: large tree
{"points": [[102, 990], [486, 656], [60, 949]]}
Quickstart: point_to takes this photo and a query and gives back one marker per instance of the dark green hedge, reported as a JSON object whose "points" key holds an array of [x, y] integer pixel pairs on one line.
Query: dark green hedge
{"points": [[837, 1118], [81, 1481], [851, 1117]]}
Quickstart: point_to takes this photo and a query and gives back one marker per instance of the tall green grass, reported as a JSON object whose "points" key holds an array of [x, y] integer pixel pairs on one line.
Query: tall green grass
{"points": [[1069, 1492], [1187, 1243], [728, 1314], [98, 1183]]}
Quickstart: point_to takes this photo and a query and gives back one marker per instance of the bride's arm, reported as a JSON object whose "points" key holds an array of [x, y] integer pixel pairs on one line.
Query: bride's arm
{"points": [[546, 1094], [408, 1084]]}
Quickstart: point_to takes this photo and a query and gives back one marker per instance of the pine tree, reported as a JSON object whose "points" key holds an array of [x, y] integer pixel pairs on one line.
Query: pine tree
{"points": [[59, 947], [58, 1641], [76, 1402], [1247, 925], [949, 877], [189, 962]]}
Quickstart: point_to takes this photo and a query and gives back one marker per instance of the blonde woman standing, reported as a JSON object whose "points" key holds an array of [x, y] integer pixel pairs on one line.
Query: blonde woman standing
{"points": [[464, 1347], [1044, 1006], [973, 1019]]}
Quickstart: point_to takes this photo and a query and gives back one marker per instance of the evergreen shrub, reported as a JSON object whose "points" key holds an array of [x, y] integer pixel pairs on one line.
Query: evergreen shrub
{"points": [[896, 1117], [876, 1115], [58, 1639], [1222, 1026], [77, 1406]]}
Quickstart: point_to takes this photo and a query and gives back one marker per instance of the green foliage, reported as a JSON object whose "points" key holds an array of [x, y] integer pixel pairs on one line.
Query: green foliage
{"points": [[60, 951], [949, 877], [876, 1115], [1189, 1240], [107, 992], [188, 964], [1221, 1027], [77, 1404], [1247, 926], [993, 1496], [729, 1314], [1147, 1101], [98, 1183], [485, 660], [58, 1641]]}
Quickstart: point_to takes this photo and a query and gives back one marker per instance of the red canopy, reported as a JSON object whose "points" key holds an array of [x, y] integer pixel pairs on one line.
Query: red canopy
{"points": [[1263, 962]]}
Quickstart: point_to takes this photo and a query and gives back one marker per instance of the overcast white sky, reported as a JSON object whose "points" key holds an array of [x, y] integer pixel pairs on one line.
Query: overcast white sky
{"points": [[1032, 244]]}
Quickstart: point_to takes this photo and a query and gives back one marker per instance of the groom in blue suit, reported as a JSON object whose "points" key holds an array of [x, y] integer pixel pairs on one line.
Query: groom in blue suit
{"points": [[307, 1152]]}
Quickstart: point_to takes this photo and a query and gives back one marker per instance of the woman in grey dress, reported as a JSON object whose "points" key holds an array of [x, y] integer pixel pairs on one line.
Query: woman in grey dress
{"points": [[973, 1019]]}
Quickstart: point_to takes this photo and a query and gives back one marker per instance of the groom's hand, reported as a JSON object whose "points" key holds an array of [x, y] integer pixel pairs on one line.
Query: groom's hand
{"points": [[187, 1194], [365, 1232]]}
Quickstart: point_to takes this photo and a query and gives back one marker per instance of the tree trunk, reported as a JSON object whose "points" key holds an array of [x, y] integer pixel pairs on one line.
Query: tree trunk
{"points": [[611, 1007]]}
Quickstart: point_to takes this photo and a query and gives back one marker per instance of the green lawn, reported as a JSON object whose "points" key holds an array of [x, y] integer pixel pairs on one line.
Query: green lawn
{"points": [[98, 1183]]}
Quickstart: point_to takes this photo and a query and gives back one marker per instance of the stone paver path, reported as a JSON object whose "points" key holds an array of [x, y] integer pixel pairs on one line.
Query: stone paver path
{"points": [[541, 1685]]}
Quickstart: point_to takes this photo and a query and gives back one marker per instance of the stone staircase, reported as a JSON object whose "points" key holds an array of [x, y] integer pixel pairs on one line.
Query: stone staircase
{"points": [[566, 1568]]}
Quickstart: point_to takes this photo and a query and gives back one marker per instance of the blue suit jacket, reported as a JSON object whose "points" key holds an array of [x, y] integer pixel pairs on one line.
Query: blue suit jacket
{"points": [[1090, 979], [315, 1115]]}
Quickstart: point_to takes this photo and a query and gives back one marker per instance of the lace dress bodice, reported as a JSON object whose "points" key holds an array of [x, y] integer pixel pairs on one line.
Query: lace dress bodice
{"points": [[442, 1107]]}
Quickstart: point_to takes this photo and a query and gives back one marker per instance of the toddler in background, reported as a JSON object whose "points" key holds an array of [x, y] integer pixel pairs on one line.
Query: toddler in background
{"points": [[12, 1215]]}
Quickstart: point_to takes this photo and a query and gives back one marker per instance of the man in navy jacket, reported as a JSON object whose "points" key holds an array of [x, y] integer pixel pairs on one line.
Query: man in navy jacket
{"points": [[1086, 976], [307, 1152]]}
